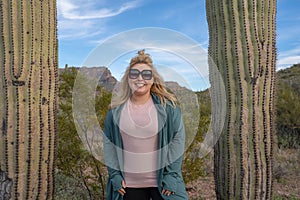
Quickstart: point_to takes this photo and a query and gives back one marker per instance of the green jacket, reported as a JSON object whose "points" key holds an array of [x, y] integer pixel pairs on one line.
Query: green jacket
{"points": [[171, 144]]}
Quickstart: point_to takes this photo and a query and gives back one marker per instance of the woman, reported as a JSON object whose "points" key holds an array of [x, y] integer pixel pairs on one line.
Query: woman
{"points": [[144, 138]]}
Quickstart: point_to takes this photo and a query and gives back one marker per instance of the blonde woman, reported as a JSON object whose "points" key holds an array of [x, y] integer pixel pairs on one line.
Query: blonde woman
{"points": [[144, 138]]}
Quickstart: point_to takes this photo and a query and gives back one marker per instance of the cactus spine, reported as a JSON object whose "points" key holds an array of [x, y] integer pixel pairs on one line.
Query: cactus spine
{"points": [[28, 105], [242, 45]]}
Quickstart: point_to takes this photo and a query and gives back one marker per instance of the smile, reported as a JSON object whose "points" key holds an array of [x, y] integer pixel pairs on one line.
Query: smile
{"points": [[140, 84]]}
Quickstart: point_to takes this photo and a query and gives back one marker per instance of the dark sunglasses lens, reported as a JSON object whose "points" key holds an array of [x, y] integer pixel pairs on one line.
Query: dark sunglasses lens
{"points": [[147, 74], [133, 73]]}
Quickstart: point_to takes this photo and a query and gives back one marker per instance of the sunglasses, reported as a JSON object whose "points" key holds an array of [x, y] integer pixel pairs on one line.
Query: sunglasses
{"points": [[146, 74]]}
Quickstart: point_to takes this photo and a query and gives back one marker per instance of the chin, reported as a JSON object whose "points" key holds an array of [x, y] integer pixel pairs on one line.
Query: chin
{"points": [[141, 91]]}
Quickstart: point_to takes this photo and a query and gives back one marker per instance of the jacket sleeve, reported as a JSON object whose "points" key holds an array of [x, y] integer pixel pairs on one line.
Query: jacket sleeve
{"points": [[172, 171], [111, 154]]}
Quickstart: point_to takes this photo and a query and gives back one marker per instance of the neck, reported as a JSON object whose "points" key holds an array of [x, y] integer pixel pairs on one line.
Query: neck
{"points": [[140, 99]]}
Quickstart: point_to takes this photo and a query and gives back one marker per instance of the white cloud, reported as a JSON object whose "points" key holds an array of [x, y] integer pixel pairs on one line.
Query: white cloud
{"points": [[288, 58], [167, 48], [170, 51], [81, 9], [69, 29], [287, 62], [294, 51], [82, 19]]}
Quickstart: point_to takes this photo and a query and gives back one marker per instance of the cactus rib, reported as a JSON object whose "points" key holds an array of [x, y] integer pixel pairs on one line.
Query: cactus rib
{"points": [[29, 78], [242, 44]]}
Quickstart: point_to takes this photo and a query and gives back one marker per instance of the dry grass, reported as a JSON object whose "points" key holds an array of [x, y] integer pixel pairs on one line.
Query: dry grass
{"points": [[287, 174], [286, 178]]}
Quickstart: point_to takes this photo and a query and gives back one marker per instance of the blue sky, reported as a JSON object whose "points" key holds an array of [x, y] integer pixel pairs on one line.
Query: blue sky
{"points": [[86, 26]]}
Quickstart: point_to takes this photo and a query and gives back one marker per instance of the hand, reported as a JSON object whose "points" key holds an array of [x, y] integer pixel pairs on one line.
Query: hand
{"points": [[122, 190], [167, 192]]}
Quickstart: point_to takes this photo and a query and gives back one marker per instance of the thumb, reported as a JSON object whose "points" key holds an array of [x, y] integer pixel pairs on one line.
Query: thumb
{"points": [[123, 184]]}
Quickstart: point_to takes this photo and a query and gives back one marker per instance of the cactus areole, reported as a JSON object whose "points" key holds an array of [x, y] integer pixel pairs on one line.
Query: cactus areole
{"points": [[242, 45], [28, 98]]}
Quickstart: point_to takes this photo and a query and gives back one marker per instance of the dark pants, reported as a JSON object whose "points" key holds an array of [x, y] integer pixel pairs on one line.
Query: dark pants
{"points": [[142, 194]]}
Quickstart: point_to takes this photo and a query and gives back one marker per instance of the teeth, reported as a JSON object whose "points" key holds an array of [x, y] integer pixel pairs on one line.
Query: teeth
{"points": [[140, 84]]}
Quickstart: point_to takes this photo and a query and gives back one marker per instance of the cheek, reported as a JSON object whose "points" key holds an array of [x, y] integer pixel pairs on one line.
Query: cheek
{"points": [[151, 82], [130, 83]]}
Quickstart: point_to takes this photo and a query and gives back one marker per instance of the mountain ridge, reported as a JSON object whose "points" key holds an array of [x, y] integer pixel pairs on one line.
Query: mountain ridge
{"points": [[108, 81], [290, 75]]}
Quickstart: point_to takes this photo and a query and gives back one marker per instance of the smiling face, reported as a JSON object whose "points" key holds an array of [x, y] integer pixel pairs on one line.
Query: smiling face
{"points": [[138, 80]]}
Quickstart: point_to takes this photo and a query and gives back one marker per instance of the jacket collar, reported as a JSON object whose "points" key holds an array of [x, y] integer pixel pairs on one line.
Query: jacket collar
{"points": [[161, 110]]}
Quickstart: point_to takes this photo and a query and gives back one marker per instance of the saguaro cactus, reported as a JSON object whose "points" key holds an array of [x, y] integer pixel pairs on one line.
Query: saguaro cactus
{"points": [[28, 96], [242, 45]]}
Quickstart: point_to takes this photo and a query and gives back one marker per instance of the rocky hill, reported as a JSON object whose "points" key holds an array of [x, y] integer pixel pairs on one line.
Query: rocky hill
{"points": [[291, 76], [108, 81]]}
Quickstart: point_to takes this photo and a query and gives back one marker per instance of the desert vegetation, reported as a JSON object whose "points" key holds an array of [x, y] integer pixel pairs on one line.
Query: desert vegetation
{"points": [[79, 175]]}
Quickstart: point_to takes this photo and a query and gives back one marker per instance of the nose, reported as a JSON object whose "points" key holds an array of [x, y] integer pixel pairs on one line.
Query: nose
{"points": [[140, 78]]}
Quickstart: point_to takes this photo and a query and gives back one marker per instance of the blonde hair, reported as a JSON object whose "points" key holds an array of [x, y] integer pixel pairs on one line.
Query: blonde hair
{"points": [[158, 88]]}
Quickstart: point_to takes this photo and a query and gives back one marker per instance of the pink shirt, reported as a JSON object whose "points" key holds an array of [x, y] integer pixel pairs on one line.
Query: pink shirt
{"points": [[139, 132]]}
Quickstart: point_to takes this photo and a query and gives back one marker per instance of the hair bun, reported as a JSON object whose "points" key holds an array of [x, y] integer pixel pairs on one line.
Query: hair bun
{"points": [[141, 52], [142, 57]]}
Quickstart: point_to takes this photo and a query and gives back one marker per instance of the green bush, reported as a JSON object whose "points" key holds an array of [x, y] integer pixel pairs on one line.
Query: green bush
{"points": [[84, 175], [287, 116]]}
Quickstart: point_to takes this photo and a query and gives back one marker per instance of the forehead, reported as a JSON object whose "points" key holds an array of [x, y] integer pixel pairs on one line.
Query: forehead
{"points": [[141, 66]]}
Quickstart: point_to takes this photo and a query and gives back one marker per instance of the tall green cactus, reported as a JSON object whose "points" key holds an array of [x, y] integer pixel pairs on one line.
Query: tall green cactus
{"points": [[28, 97], [242, 45]]}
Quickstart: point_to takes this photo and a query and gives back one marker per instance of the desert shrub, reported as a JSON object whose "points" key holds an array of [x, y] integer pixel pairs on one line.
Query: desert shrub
{"points": [[287, 116]]}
